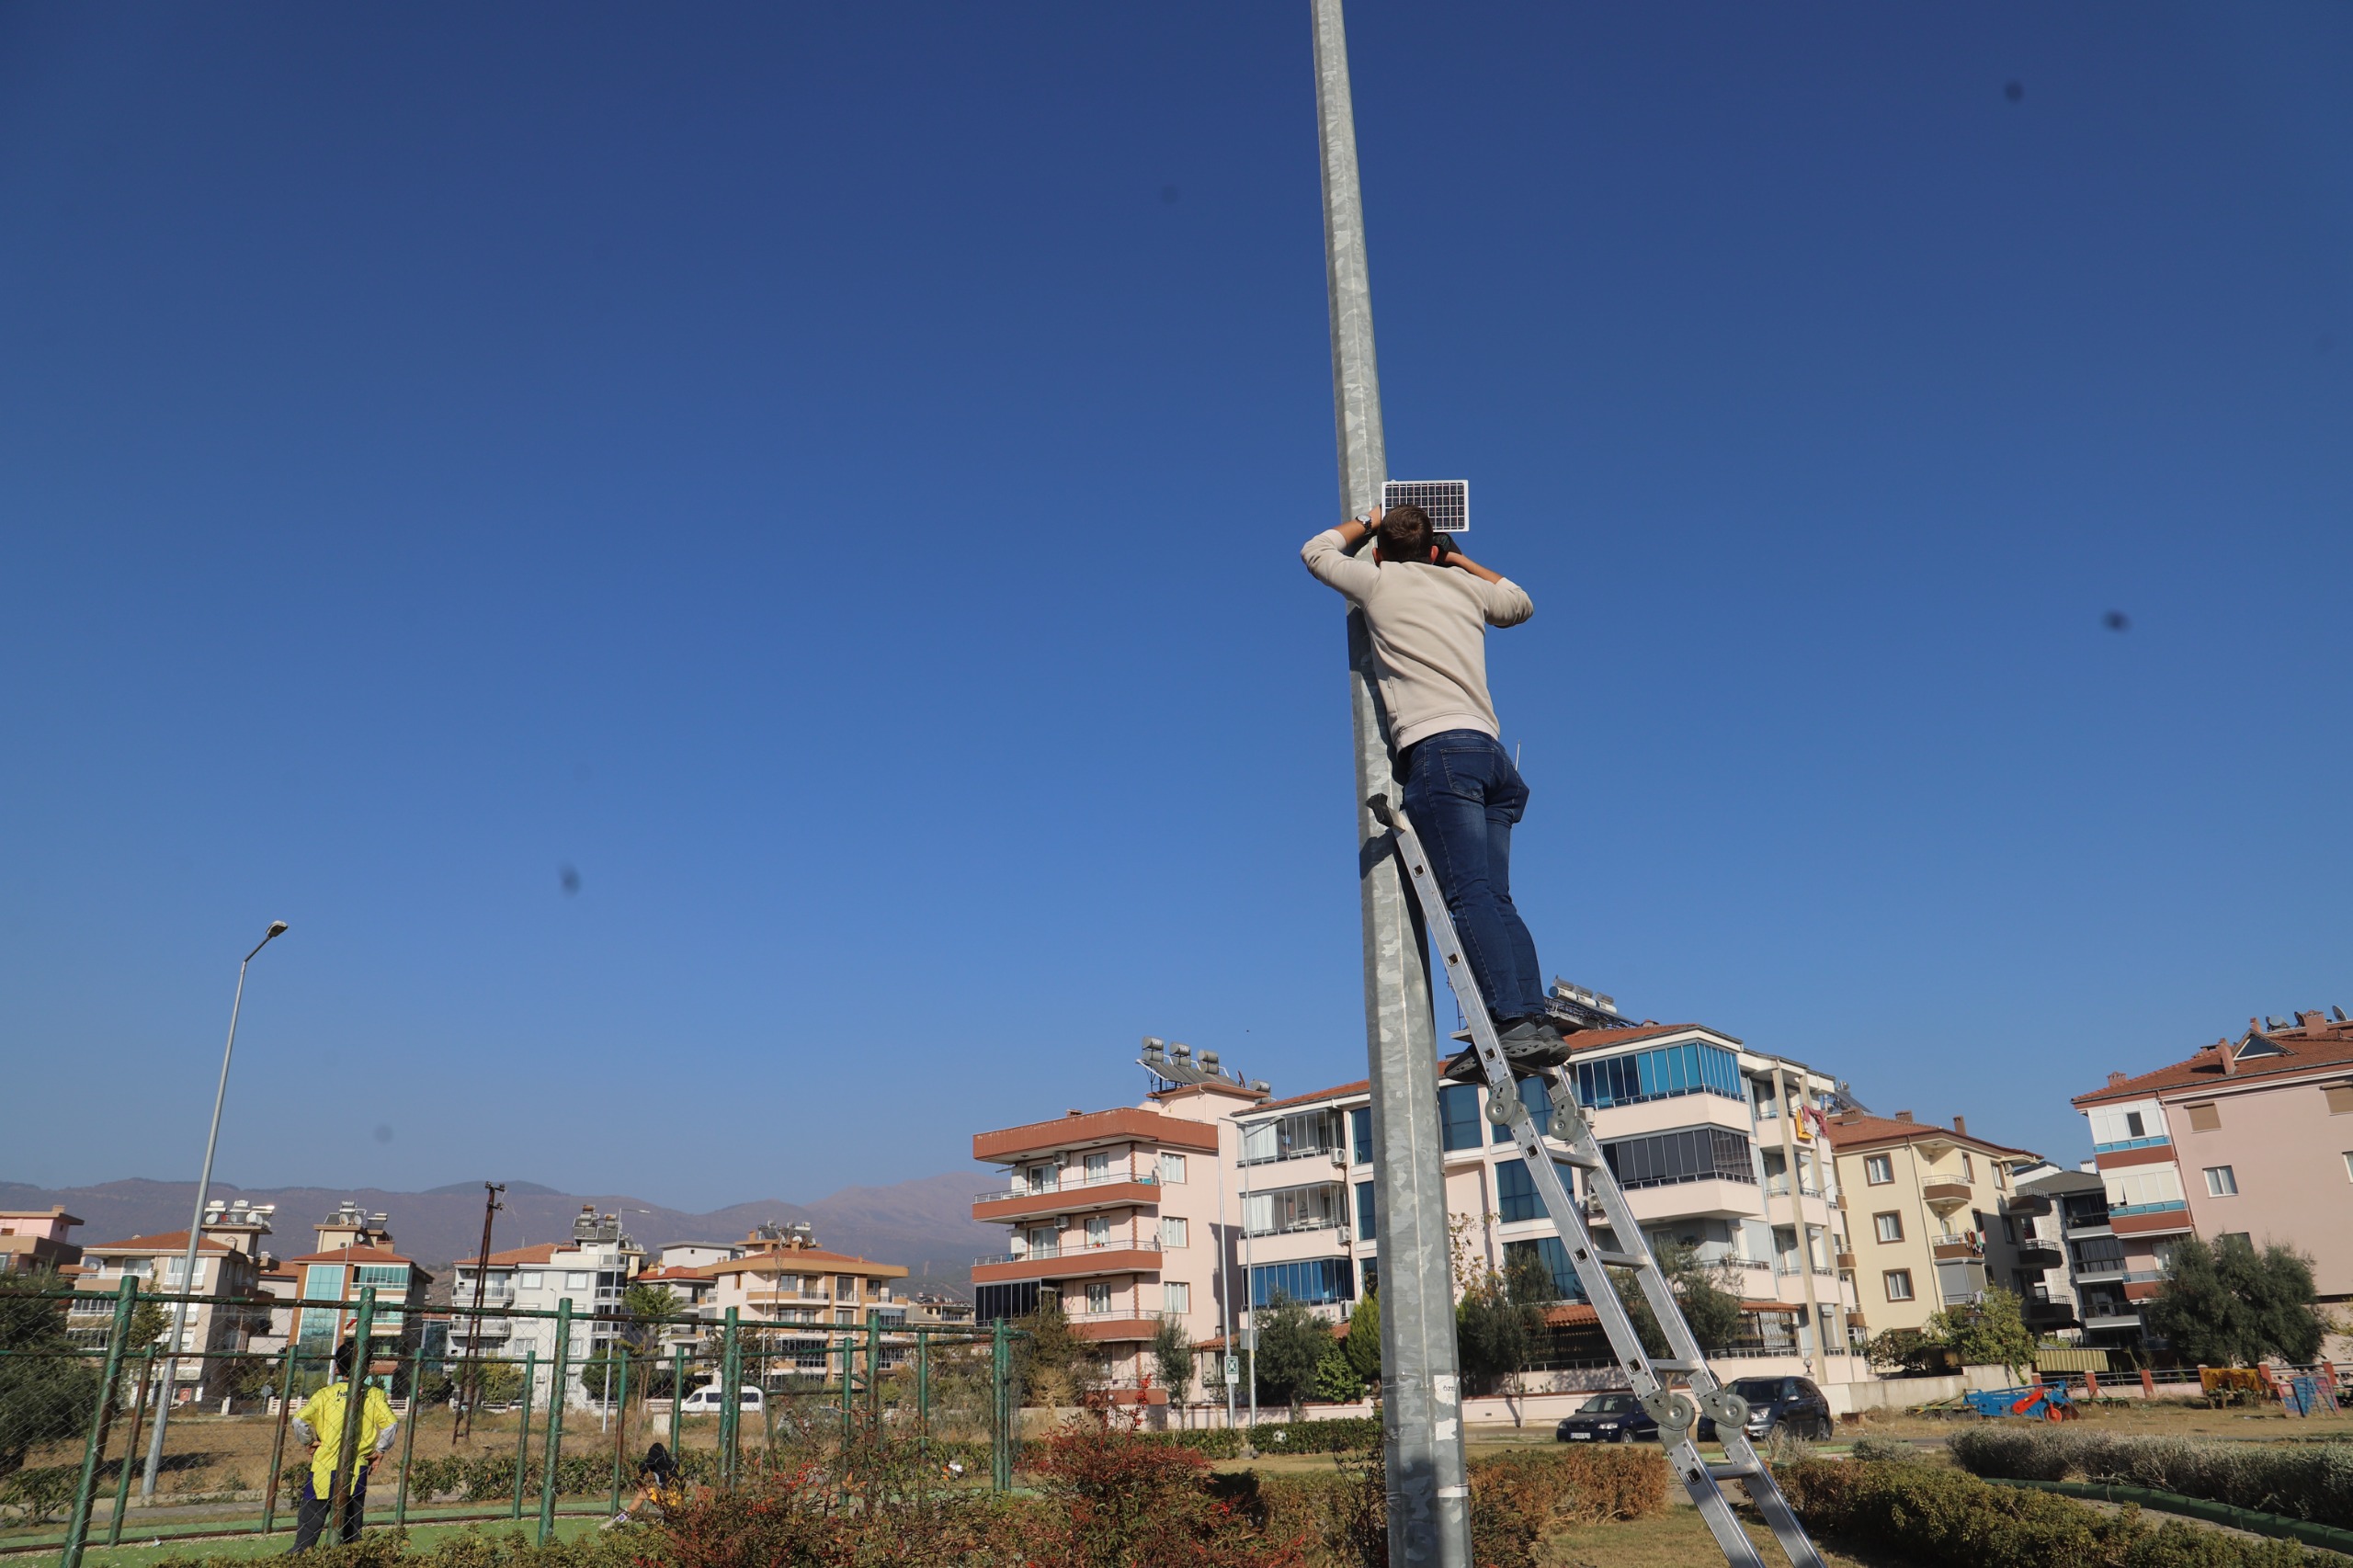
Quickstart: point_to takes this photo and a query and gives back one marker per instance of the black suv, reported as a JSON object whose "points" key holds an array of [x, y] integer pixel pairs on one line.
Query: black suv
{"points": [[1778, 1403], [1607, 1419]]}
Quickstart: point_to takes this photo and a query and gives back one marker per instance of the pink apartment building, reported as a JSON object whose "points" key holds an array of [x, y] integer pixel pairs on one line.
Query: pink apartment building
{"points": [[35, 1238], [2252, 1136]]}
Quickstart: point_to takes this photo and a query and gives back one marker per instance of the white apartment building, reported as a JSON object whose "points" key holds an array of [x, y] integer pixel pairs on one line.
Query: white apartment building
{"points": [[592, 1270], [1211, 1197]]}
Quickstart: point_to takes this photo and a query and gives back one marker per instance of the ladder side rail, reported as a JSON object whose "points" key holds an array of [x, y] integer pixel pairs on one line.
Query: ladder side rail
{"points": [[1592, 1273], [1684, 1355]]}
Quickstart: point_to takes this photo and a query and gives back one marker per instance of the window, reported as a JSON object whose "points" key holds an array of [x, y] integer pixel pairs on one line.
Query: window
{"points": [[1098, 1230], [1172, 1170], [1313, 1280], [1172, 1232], [1099, 1167], [1371, 1267], [1042, 1238], [1360, 1133], [1687, 1069], [384, 1276], [1515, 1194], [1043, 1179], [1888, 1227], [579, 1281], [2349, 1164], [2204, 1118], [2140, 1189], [1701, 1154], [2222, 1182], [845, 1314], [1458, 1116], [1098, 1296], [1297, 1136], [1878, 1169], [1294, 1208], [1176, 1296], [2244, 1238], [528, 1280], [1368, 1214], [1899, 1284], [2340, 1099], [1551, 1255], [2135, 1125], [1968, 1170]]}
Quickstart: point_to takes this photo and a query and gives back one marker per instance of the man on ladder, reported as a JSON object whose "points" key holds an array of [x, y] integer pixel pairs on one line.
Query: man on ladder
{"points": [[1428, 607]]}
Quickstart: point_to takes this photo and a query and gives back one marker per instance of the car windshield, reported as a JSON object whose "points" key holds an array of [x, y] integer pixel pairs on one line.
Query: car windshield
{"points": [[1608, 1405], [1757, 1391]]}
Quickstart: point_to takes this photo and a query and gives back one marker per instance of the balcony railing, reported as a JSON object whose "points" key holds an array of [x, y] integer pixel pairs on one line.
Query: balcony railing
{"points": [[1290, 1227], [1074, 1183], [1075, 1249], [2172, 1205], [1778, 1187]]}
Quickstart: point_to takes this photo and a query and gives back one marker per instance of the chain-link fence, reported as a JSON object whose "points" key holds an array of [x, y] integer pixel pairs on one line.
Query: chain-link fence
{"points": [[500, 1412]]}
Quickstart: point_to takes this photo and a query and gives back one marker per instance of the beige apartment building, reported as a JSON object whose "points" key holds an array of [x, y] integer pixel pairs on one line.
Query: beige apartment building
{"points": [[785, 1281], [2252, 1136], [1924, 1209], [229, 1262]]}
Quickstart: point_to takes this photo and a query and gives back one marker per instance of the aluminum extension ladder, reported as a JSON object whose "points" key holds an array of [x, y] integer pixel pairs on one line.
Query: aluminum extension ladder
{"points": [[1675, 1411]]}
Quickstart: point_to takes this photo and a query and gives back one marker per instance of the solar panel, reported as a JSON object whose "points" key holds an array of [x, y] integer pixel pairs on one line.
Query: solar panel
{"points": [[1448, 501]]}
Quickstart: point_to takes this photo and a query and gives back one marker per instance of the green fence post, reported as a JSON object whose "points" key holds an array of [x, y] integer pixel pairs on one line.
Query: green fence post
{"points": [[873, 1367], [76, 1532], [555, 1420], [523, 1425], [678, 1394], [278, 1439], [408, 1430], [355, 1404], [731, 1379], [1001, 1448], [122, 1480], [620, 1418], [922, 1391]]}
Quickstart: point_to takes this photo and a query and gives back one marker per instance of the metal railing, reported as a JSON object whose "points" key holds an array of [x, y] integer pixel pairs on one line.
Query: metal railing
{"points": [[1073, 1249], [1132, 1176]]}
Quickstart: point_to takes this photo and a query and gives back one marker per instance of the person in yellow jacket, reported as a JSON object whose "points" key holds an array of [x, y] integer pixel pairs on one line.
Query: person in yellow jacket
{"points": [[320, 1423]]}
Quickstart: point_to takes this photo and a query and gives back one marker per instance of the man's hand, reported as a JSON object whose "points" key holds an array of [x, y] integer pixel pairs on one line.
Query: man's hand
{"points": [[1353, 530], [1455, 558]]}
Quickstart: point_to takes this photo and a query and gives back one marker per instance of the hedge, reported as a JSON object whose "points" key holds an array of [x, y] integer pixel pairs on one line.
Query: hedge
{"points": [[1926, 1514], [2303, 1481]]}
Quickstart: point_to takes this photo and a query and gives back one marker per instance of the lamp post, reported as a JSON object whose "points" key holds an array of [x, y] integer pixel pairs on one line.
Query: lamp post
{"points": [[196, 1228]]}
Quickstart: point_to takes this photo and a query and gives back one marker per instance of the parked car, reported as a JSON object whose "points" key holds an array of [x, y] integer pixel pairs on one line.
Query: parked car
{"points": [[1775, 1403], [709, 1400], [1607, 1419]]}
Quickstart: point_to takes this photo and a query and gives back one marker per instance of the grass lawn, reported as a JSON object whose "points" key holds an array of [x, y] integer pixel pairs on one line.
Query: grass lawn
{"points": [[1676, 1539], [420, 1537]]}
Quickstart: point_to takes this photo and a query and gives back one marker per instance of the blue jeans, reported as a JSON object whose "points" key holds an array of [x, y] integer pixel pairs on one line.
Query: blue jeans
{"points": [[1463, 794]]}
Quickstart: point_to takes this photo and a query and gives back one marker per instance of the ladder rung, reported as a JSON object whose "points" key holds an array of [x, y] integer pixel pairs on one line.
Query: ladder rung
{"points": [[1685, 1368], [1582, 1162], [1621, 1259], [1734, 1472]]}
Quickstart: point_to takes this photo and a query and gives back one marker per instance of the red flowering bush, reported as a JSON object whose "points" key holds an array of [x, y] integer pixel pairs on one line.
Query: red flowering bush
{"points": [[1116, 1499]]}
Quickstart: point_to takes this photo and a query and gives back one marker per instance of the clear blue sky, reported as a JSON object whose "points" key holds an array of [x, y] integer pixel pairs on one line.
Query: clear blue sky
{"points": [[832, 476]]}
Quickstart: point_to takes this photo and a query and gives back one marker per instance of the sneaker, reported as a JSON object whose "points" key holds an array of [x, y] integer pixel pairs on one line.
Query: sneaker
{"points": [[617, 1520]]}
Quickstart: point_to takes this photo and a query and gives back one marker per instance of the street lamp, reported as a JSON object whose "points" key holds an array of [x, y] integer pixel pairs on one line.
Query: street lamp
{"points": [[196, 1228]]}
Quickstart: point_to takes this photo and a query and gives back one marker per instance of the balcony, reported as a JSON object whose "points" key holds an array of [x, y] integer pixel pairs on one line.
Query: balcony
{"points": [[2110, 1315], [1957, 1248], [1847, 1260], [2150, 1218], [1118, 1325], [1945, 1192], [2041, 1255], [2023, 1205], [1116, 1255], [1094, 1130], [1114, 1189], [2043, 1313]]}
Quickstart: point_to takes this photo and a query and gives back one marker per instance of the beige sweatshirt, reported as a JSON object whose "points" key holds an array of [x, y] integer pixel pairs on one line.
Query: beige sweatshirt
{"points": [[1429, 635]]}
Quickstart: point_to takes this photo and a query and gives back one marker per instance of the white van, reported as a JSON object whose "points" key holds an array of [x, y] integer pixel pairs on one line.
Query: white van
{"points": [[709, 1400]]}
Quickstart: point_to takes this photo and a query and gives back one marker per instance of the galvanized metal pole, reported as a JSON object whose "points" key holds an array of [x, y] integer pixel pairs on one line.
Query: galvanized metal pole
{"points": [[196, 1225], [1429, 1514]]}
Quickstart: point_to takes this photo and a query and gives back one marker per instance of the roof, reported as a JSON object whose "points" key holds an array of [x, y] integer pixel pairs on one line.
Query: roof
{"points": [[2315, 1044], [1362, 1086], [55, 1212], [540, 1253], [1856, 1130], [163, 1242], [793, 1260], [355, 1254], [1599, 1040], [676, 1271], [1081, 1128]]}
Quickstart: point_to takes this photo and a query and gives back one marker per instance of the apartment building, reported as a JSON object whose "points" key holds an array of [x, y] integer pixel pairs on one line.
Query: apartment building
{"points": [[1926, 1206], [785, 1281], [229, 1263], [1122, 1214], [34, 1239], [1693, 1128], [2052, 1209], [355, 1253], [591, 1268], [2252, 1136], [1213, 1196]]}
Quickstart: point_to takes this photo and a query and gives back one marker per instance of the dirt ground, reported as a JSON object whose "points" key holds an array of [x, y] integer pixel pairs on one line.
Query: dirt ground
{"points": [[2165, 1417]]}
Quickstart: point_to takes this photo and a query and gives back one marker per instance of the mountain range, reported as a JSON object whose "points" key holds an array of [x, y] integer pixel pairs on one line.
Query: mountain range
{"points": [[926, 1224]]}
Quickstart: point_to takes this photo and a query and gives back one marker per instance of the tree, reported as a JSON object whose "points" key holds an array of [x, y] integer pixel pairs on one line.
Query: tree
{"points": [[1363, 1347], [2227, 1306], [1500, 1320], [46, 1392], [1336, 1378], [1172, 1356], [1052, 1365], [1292, 1344], [148, 1323], [1990, 1333], [1706, 1293]]}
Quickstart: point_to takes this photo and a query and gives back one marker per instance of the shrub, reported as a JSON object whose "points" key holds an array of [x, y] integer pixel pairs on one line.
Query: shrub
{"points": [[1874, 1449], [1922, 1514], [1118, 1502], [2303, 1481], [1517, 1500], [38, 1493]]}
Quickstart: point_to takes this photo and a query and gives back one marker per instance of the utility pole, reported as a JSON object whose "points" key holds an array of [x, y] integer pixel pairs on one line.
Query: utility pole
{"points": [[1430, 1506], [490, 1206]]}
